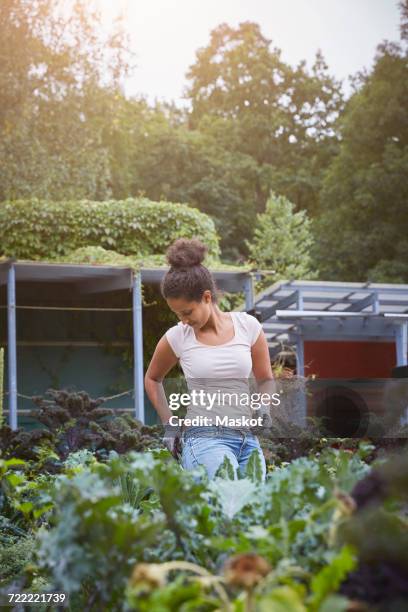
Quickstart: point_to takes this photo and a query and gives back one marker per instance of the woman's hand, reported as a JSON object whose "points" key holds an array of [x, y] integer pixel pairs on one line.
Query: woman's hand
{"points": [[172, 439]]}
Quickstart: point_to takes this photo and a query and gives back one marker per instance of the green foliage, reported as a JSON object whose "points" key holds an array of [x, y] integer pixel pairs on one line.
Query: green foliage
{"points": [[225, 470], [233, 495], [14, 557], [377, 530], [53, 64], [166, 160], [22, 503], [1, 383], [239, 76], [95, 535], [271, 128], [181, 593], [330, 577], [75, 422], [98, 526], [99, 255], [143, 509], [282, 240], [282, 599], [254, 468], [361, 234], [281, 117], [65, 159], [252, 472], [257, 124], [49, 230]]}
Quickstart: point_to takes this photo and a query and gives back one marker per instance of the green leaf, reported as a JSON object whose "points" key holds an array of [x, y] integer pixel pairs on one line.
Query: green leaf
{"points": [[15, 479], [233, 495], [11, 462], [25, 507], [40, 511], [281, 599], [328, 580], [226, 470], [254, 468], [335, 603]]}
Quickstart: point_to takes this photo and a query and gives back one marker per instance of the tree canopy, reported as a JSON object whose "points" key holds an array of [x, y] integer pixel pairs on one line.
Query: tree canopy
{"points": [[283, 117], [255, 125], [55, 62], [362, 231]]}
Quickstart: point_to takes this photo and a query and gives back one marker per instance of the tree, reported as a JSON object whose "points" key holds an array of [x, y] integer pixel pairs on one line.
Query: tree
{"points": [[156, 154], [403, 6], [362, 232], [284, 118], [238, 140], [282, 241], [55, 63], [49, 50]]}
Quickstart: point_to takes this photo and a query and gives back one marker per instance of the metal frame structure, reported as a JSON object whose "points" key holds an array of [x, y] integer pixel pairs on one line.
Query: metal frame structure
{"points": [[88, 279], [295, 311]]}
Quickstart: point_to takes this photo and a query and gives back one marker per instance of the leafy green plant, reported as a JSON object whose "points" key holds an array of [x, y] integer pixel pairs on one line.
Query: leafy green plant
{"points": [[14, 556], [138, 528], [75, 421], [1, 383], [49, 230], [378, 531], [142, 508], [246, 582], [100, 525], [23, 500]]}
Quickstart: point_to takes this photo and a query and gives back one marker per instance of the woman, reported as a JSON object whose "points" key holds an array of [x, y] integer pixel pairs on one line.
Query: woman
{"points": [[214, 348]]}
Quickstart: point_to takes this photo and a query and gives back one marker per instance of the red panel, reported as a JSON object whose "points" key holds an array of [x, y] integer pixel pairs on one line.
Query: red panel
{"points": [[333, 359]]}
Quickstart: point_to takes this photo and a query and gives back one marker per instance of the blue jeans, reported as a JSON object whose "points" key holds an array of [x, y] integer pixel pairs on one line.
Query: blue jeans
{"points": [[209, 445]]}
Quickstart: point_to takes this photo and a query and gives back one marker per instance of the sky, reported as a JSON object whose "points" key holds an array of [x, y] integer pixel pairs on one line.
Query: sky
{"points": [[165, 35]]}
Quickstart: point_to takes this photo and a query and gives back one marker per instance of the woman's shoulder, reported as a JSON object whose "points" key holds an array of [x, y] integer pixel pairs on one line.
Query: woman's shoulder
{"points": [[249, 324], [176, 336], [179, 330], [244, 317]]}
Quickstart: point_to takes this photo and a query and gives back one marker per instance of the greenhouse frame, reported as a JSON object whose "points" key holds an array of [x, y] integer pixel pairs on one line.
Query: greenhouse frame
{"points": [[67, 287]]}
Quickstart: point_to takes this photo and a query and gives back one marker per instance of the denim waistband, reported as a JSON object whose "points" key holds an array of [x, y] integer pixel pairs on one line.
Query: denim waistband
{"points": [[217, 431]]}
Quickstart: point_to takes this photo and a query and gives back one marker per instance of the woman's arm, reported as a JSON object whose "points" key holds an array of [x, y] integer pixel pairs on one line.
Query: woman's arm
{"points": [[162, 362], [262, 369], [261, 362]]}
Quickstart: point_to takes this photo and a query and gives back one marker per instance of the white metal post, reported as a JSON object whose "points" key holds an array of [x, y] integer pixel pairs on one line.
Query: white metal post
{"points": [[401, 341], [401, 337], [249, 292], [138, 349], [12, 348]]}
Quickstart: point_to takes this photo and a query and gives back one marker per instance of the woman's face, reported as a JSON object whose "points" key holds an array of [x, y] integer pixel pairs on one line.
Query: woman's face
{"points": [[193, 313]]}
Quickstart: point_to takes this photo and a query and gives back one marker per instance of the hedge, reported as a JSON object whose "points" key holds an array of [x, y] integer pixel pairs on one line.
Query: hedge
{"points": [[37, 229]]}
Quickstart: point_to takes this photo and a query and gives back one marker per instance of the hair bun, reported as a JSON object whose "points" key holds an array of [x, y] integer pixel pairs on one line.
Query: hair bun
{"points": [[184, 253]]}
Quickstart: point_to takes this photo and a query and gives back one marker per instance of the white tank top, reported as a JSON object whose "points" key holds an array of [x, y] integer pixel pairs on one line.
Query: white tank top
{"points": [[225, 367]]}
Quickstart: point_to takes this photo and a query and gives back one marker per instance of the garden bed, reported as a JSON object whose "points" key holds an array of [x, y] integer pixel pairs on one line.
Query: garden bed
{"points": [[94, 507]]}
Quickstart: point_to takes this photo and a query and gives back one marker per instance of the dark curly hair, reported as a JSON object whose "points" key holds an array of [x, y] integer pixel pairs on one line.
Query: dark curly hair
{"points": [[187, 277]]}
